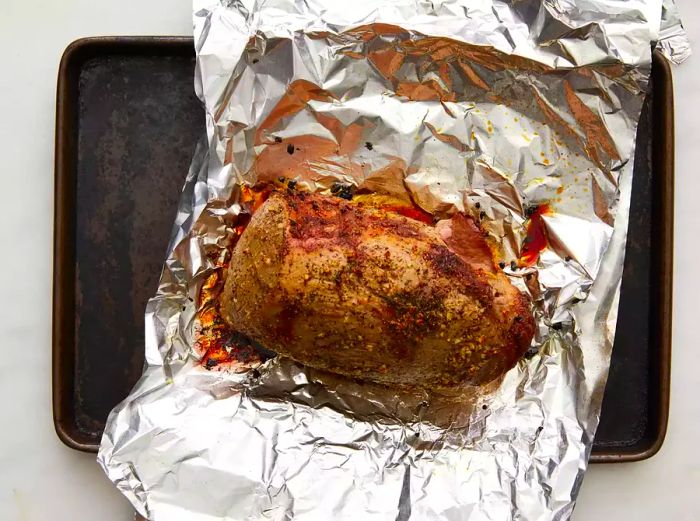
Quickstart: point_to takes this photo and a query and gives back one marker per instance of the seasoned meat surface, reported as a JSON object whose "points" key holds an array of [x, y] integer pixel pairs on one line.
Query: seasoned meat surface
{"points": [[371, 294]]}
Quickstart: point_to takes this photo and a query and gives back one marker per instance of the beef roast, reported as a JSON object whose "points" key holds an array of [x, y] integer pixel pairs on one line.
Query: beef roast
{"points": [[371, 294]]}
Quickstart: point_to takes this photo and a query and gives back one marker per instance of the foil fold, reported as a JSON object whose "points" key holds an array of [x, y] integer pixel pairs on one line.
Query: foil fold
{"points": [[520, 114], [673, 40]]}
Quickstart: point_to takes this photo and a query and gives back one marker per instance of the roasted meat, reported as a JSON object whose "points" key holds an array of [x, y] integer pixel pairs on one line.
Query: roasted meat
{"points": [[368, 293]]}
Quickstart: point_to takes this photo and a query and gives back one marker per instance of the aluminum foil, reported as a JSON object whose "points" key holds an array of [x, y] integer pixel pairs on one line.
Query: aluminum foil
{"points": [[673, 41], [522, 114]]}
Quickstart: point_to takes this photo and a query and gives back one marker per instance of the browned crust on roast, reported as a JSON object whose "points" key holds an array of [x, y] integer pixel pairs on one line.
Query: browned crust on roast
{"points": [[370, 294]]}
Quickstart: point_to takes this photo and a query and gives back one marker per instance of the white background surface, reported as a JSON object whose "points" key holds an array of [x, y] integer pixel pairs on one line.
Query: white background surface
{"points": [[40, 479]]}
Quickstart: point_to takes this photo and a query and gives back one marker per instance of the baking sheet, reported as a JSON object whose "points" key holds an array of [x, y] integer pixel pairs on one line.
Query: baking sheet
{"points": [[111, 151]]}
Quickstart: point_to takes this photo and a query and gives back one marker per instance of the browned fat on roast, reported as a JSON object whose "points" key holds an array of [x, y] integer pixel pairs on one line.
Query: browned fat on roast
{"points": [[367, 293]]}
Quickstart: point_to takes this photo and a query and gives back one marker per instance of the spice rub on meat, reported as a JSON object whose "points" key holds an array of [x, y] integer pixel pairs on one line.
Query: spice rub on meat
{"points": [[371, 294]]}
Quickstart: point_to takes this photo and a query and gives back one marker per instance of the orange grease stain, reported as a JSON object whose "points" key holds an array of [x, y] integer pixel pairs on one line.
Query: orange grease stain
{"points": [[218, 346], [536, 238], [411, 212], [253, 198]]}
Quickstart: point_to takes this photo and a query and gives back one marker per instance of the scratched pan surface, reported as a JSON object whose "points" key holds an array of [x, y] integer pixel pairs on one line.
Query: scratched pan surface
{"points": [[127, 122]]}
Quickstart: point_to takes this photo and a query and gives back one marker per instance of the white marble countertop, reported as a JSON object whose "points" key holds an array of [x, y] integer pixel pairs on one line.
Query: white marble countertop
{"points": [[40, 479]]}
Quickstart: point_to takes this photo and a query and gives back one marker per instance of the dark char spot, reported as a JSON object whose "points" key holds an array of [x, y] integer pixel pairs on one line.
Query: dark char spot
{"points": [[343, 191], [530, 210], [531, 352]]}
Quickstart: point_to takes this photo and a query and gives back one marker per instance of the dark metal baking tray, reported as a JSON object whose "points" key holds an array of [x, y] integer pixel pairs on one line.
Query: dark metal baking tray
{"points": [[126, 125]]}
